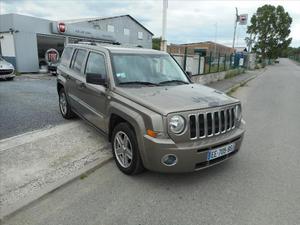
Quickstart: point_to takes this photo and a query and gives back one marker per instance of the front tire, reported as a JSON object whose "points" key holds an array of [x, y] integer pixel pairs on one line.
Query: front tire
{"points": [[64, 106], [10, 78], [125, 150]]}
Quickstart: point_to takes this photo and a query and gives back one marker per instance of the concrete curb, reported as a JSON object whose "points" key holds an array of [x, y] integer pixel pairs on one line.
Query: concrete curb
{"points": [[11, 210], [240, 84]]}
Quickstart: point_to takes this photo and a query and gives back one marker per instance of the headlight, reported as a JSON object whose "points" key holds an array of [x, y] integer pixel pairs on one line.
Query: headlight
{"points": [[176, 124], [238, 110]]}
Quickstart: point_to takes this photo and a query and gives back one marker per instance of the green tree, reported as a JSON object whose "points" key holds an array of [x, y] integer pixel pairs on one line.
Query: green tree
{"points": [[271, 29], [156, 43]]}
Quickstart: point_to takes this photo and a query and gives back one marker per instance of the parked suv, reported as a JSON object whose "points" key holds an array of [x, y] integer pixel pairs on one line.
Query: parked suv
{"points": [[152, 113]]}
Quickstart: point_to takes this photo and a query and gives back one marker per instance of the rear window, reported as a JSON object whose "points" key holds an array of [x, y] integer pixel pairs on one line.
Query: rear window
{"points": [[78, 60], [66, 56]]}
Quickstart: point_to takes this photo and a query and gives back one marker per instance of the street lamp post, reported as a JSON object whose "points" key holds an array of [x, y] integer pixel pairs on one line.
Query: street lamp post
{"points": [[163, 44], [235, 24]]}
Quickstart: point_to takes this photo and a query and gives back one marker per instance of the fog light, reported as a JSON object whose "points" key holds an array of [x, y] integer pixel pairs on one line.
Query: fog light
{"points": [[169, 160]]}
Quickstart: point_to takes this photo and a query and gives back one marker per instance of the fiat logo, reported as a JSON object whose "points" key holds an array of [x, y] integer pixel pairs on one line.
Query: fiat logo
{"points": [[61, 27]]}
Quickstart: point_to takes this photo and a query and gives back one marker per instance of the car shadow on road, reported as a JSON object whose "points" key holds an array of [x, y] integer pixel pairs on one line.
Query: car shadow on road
{"points": [[202, 176]]}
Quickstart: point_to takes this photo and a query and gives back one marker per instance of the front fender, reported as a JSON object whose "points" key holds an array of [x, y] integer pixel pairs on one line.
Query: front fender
{"points": [[135, 119]]}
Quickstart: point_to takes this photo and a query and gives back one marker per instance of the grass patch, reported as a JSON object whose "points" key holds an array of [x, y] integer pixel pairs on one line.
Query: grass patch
{"points": [[83, 176], [17, 73], [234, 72]]}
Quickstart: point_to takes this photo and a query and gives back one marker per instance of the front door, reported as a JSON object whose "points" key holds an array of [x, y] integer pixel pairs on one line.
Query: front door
{"points": [[95, 96]]}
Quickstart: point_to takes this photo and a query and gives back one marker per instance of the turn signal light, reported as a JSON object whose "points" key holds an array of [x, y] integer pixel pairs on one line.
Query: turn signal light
{"points": [[151, 133]]}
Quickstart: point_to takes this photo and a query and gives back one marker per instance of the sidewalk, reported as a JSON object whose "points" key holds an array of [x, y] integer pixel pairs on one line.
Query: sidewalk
{"points": [[227, 85], [36, 163]]}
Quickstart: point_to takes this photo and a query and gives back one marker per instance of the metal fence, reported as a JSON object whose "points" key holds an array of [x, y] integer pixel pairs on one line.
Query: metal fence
{"points": [[295, 57], [197, 64]]}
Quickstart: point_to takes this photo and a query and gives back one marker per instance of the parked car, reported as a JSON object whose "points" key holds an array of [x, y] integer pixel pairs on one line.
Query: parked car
{"points": [[7, 70], [152, 113]]}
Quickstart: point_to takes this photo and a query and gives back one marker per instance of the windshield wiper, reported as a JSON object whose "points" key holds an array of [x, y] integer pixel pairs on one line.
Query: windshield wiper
{"points": [[173, 81], [139, 82]]}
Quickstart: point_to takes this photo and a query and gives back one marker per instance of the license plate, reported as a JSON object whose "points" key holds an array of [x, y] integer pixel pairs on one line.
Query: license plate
{"points": [[219, 152]]}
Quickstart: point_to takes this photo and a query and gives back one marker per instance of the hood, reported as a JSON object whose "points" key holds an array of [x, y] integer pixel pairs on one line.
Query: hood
{"points": [[5, 65], [169, 99]]}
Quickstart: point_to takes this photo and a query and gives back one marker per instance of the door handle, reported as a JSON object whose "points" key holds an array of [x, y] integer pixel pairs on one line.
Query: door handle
{"points": [[81, 85], [68, 77]]}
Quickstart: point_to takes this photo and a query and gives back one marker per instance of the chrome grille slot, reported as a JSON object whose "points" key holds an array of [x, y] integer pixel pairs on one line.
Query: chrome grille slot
{"points": [[201, 126], [209, 124], [232, 118], [193, 126], [212, 123], [227, 119], [217, 123], [222, 121]]}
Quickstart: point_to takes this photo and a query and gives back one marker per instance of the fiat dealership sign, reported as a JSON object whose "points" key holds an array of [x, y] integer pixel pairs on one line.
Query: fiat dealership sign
{"points": [[75, 30], [51, 56], [61, 27]]}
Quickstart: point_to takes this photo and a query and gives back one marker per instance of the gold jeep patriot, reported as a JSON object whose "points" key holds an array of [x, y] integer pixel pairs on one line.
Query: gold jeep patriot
{"points": [[152, 113]]}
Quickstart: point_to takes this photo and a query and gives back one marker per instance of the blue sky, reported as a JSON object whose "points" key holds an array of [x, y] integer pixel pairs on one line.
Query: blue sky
{"points": [[188, 20]]}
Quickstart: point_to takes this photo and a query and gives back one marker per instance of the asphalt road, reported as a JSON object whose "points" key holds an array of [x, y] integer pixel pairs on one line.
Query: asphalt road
{"points": [[260, 185], [28, 104]]}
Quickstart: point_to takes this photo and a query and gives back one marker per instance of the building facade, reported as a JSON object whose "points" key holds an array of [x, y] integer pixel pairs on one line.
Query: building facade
{"points": [[204, 48], [24, 40]]}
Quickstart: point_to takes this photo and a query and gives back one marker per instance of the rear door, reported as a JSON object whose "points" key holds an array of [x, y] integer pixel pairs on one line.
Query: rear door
{"points": [[76, 80], [64, 67]]}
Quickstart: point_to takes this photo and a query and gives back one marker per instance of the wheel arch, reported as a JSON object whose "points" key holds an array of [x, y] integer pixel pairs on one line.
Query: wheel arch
{"points": [[120, 113]]}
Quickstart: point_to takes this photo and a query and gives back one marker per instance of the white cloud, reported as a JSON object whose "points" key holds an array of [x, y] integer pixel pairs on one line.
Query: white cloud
{"points": [[188, 21]]}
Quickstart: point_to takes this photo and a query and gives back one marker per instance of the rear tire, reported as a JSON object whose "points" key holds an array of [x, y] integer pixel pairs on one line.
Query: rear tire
{"points": [[64, 106], [125, 150]]}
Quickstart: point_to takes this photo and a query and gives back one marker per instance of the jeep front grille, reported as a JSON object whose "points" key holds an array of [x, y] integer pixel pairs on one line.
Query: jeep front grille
{"points": [[212, 123]]}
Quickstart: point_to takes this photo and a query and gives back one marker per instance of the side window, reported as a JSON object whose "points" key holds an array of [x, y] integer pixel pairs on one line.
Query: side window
{"points": [[96, 64], [78, 60], [126, 31], [140, 35], [110, 28], [66, 56]]}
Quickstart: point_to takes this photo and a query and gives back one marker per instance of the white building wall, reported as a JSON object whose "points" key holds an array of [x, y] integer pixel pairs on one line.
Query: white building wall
{"points": [[7, 45]]}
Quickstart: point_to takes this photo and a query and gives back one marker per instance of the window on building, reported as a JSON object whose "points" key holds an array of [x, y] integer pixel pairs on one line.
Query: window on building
{"points": [[140, 35], [96, 64], [96, 26], [78, 60], [66, 56], [126, 31], [110, 28]]}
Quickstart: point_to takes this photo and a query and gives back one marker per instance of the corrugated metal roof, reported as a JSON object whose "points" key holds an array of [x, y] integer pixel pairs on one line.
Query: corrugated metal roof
{"points": [[107, 18]]}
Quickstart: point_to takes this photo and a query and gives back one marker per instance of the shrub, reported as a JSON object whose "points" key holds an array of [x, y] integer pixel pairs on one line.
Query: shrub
{"points": [[234, 72]]}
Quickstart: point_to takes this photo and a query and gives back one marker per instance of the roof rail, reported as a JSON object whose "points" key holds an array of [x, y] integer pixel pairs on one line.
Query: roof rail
{"points": [[98, 42]]}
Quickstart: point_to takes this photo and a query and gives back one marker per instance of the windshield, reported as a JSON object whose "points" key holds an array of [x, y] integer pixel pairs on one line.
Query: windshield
{"points": [[147, 69]]}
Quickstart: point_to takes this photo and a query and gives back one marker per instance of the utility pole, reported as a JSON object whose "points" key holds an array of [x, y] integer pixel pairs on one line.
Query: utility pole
{"points": [[235, 24], [216, 34], [163, 43]]}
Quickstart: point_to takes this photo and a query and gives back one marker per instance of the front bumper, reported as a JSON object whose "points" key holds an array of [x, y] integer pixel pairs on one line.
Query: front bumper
{"points": [[191, 156], [7, 73]]}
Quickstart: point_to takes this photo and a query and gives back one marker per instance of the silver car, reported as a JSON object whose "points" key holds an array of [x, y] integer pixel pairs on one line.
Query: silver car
{"points": [[7, 70]]}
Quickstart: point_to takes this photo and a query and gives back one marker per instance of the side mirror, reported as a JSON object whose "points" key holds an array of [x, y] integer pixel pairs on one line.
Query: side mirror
{"points": [[94, 78], [189, 73]]}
